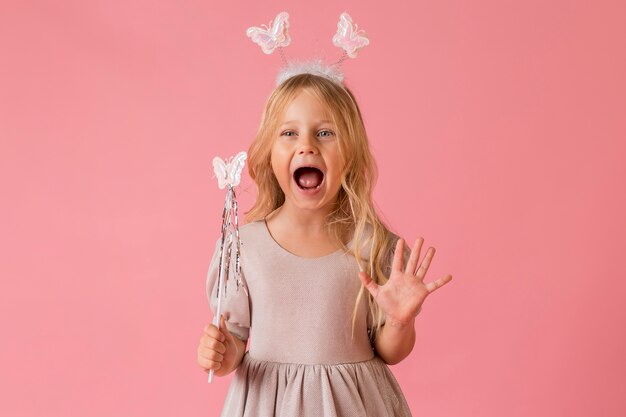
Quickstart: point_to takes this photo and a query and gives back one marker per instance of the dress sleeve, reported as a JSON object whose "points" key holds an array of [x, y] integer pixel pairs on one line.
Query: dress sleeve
{"points": [[235, 305]]}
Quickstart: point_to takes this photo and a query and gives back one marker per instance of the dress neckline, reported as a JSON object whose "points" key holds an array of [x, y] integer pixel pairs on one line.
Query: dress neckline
{"points": [[282, 249]]}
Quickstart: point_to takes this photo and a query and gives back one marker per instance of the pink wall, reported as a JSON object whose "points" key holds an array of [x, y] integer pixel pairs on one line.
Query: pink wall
{"points": [[499, 131]]}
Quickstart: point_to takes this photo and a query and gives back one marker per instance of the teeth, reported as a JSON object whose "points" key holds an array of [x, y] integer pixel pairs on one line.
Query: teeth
{"points": [[306, 189], [315, 188]]}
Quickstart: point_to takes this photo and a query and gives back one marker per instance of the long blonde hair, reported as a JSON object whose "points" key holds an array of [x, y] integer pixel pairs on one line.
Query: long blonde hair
{"points": [[354, 210]]}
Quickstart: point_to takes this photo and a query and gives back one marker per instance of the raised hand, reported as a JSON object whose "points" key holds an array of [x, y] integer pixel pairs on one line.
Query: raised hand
{"points": [[401, 297]]}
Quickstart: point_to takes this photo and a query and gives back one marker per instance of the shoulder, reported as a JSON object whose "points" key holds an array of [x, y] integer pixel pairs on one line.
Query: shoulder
{"points": [[247, 231], [253, 237], [251, 229]]}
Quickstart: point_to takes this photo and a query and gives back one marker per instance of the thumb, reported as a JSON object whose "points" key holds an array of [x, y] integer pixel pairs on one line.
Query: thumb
{"points": [[224, 329], [369, 283]]}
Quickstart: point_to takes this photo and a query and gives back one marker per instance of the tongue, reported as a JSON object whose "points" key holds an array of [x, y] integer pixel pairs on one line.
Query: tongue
{"points": [[309, 177]]}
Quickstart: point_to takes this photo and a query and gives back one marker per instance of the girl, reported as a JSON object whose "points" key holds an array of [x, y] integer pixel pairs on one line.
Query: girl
{"points": [[320, 339]]}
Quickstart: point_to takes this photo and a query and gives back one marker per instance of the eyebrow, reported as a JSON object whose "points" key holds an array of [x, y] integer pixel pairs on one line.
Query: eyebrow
{"points": [[295, 121]]}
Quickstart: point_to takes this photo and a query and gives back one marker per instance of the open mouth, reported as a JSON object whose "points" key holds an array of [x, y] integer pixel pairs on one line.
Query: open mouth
{"points": [[308, 178]]}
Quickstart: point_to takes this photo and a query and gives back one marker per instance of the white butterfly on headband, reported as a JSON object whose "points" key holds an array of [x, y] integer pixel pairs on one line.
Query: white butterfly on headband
{"points": [[228, 172], [270, 39], [349, 37]]}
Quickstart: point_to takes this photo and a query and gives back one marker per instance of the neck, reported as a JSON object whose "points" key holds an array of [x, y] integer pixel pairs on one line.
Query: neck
{"points": [[310, 221]]}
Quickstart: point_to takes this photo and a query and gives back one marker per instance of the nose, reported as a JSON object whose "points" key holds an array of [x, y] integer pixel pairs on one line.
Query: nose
{"points": [[307, 145]]}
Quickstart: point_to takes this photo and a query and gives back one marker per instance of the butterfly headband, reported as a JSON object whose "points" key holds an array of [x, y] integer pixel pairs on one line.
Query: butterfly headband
{"points": [[348, 37]]}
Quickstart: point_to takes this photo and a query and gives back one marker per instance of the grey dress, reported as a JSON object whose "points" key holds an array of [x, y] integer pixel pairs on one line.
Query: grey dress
{"points": [[302, 358]]}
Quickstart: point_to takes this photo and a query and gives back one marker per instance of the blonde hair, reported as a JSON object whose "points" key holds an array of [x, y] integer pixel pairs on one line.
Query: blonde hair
{"points": [[354, 209]]}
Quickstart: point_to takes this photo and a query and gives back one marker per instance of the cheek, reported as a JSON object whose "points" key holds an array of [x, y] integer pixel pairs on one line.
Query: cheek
{"points": [[279, 163], [338, 167], [275, 167]]}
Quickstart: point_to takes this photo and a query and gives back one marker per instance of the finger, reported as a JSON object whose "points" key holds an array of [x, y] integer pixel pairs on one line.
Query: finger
{"points": [[212, 331], [224, 329], [369, 283], [208, 343], [425, 263], [212, 355], [433, 285], [411, 265], [209, 364], [398, 255]]}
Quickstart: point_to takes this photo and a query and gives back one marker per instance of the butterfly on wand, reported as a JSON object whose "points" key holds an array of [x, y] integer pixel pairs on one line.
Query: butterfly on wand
{"points": [[228, 172]]}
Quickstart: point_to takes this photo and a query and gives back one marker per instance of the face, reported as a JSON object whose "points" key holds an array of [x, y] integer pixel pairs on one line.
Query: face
{"points": [[305, 154]]}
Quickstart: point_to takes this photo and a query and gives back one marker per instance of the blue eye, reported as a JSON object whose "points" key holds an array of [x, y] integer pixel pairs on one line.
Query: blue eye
{"points": [[323, 133]]}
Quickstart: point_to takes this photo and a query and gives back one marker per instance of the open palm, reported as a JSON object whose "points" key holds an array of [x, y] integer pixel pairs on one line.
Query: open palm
{"points": [[401, 297]]}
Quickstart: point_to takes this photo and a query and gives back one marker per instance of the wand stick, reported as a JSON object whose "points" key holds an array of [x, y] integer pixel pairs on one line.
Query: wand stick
{"points": [[228, 175]]}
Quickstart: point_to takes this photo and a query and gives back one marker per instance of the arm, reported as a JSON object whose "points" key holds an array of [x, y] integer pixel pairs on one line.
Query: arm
{"points": [[220, 349], [395, 341], [401, 298]]}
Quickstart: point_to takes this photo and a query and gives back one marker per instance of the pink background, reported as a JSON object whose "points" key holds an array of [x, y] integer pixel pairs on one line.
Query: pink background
{"points": [[499, 131]]}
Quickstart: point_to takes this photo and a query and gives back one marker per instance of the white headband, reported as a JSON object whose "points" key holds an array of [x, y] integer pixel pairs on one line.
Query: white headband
{"points": [[348, 37]]}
